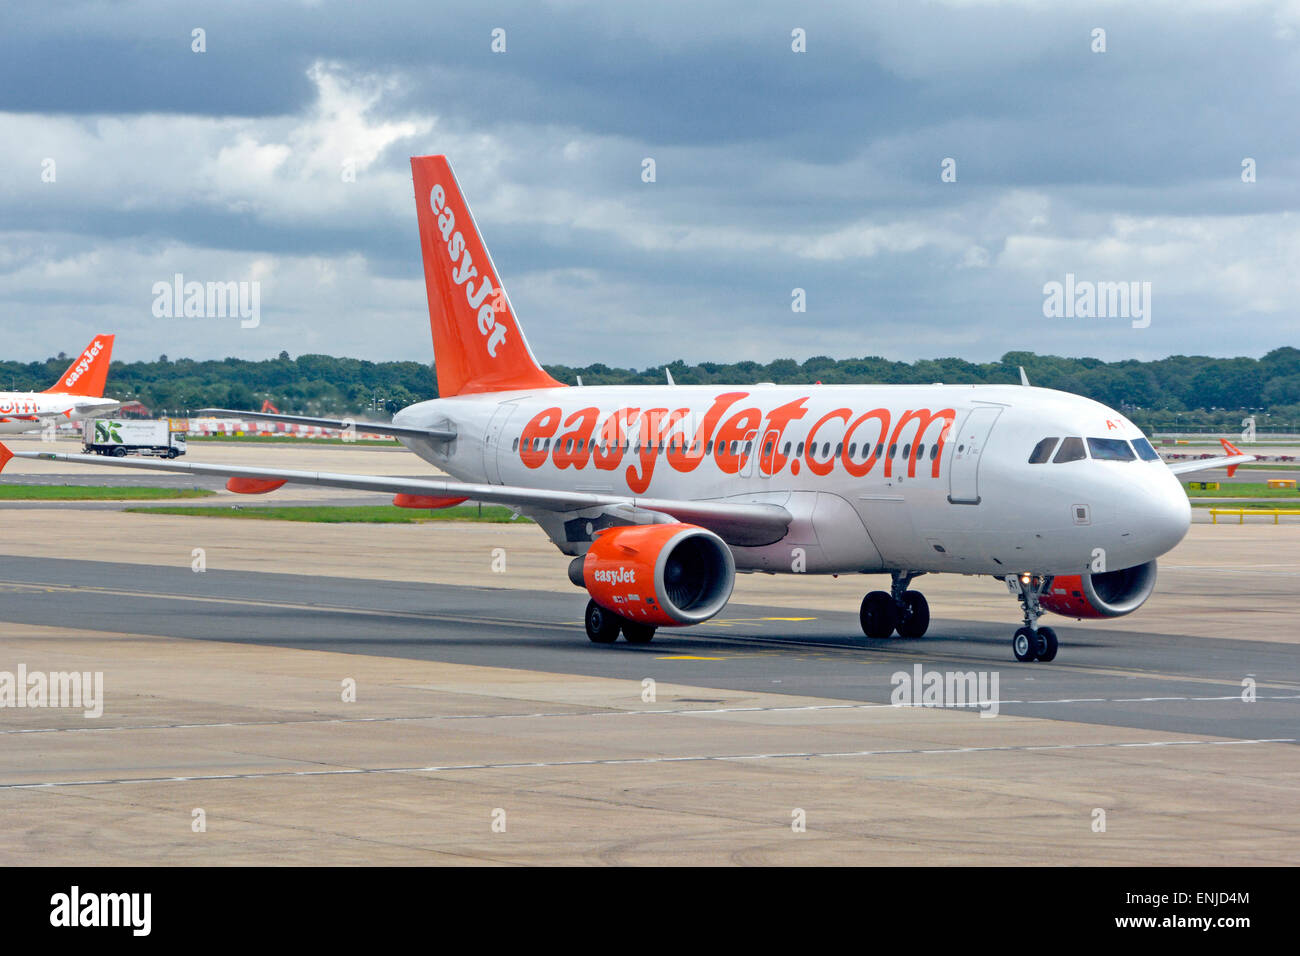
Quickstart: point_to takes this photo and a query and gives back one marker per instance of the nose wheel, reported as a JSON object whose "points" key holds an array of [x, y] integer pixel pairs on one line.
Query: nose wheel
{"points": [[899, 609], [1034, 644], [1031, 642]]}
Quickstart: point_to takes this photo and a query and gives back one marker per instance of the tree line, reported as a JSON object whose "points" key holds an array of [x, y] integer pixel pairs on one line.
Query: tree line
{"points": [[1179, 391]]}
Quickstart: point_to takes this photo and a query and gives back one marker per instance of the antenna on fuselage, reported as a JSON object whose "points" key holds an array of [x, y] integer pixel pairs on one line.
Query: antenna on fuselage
{"points": [[1024, 379]]}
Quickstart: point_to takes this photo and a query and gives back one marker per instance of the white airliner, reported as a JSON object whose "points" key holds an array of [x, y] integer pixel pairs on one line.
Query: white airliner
{"points": [[664, 493], [78, 394]]}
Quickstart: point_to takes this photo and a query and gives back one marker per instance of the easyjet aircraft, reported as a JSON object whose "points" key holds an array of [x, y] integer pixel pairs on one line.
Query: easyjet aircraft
{"points": [[78, 394], [663, 493]]}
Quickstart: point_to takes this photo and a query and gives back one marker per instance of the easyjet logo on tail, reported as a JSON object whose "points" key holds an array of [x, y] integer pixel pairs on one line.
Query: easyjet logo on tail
{"points": [[87, 357], [88, 371], [464, 273]]}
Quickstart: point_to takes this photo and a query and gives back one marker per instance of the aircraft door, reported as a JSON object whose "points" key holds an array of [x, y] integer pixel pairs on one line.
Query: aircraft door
{"points": [[492, 442], [967, 446]]}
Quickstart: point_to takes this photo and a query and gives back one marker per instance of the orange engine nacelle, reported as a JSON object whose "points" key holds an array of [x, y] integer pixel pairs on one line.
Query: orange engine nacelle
{"points": [[664, 575], [1101, 594], [253, 486], [425, 501]]}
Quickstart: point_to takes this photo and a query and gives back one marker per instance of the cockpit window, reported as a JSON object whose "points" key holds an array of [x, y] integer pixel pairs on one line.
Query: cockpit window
{"points": [[1145, 451], [1071, 450], [1043, 451], [1110, 449]]}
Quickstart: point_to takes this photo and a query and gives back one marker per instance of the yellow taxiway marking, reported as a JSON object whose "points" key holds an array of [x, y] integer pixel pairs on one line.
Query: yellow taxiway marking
{"points": [[687, 657], [788, 619]]}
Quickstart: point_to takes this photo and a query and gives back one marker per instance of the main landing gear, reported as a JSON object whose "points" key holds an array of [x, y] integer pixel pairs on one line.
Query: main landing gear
{"points": [[603, 627], [899, 609], [1032, 643]]}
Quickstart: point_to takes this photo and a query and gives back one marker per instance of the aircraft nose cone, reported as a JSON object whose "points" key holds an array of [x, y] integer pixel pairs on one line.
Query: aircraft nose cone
{"points": [[1161, 513]]}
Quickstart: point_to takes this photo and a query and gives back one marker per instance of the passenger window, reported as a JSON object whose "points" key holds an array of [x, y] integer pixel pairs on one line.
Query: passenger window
{"points": [[1043, 451], [786, 451], [920, 451], [1071, 450], [799, 451], [1110, 449], [515, 446], [1145, 451], [880, 449], [934, 451], [893, 450], [907, 450], [853, 450]]}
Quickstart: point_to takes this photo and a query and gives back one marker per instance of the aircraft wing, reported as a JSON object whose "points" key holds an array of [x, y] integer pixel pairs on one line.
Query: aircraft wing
{"points": [[378, 428], [1205, 464], [744, 524]]}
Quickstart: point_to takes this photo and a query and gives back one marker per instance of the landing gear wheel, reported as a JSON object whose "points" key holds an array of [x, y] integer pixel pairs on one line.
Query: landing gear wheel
{"points": [[1046, 645], [635, 633], [878, 615], [602, 625], [1025, 644], [914, 620]]}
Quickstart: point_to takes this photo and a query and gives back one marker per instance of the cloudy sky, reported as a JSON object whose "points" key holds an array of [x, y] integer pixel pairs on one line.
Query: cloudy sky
{"points": [[774, 170]]}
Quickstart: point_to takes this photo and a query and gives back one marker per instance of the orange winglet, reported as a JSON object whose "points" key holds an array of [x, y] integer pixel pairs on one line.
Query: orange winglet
{"points": [[425, 501], [253, 486], [5, 455], [1231, 449]]}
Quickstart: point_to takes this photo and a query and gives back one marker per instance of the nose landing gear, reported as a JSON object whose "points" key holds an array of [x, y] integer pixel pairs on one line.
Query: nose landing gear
{"points": [[899, 609], [1032, 643]]}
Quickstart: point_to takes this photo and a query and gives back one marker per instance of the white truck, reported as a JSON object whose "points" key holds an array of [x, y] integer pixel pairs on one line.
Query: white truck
{"points": [[164, 437]]}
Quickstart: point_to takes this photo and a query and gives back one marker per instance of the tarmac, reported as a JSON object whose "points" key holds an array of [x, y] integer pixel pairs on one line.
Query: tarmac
{"points": [[353, 694]]}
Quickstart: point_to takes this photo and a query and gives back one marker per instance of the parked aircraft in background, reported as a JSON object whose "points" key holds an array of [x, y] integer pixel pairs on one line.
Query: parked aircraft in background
{"points": [[77, 395]]}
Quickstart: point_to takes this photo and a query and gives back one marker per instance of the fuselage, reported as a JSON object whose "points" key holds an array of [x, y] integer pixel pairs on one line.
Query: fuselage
{"points": [[29, 411], [878, 477]]}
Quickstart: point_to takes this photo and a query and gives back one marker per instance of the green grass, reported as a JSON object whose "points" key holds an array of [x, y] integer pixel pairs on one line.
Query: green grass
{"points": [[1234, 505], [337, 514], [94, 493], [1245, 489], [291, 440]]}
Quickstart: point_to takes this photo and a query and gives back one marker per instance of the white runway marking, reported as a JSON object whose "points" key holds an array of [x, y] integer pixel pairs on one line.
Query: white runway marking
{"points": [[679, 712], [617, 761]]}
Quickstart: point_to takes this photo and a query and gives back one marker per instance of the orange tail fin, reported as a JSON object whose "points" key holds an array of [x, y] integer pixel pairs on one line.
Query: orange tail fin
{"points": [[478, 345], [88, 371], [1231, 449]]}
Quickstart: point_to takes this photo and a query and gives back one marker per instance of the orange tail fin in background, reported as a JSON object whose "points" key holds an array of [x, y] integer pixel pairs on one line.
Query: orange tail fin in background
{"points": [[1231, 449], [88, 371], [478, 345]]}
